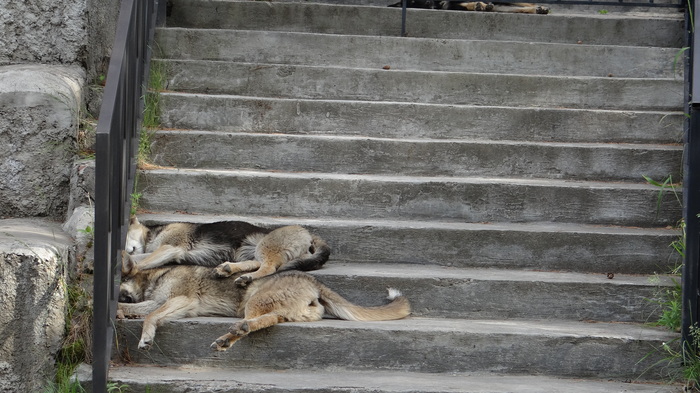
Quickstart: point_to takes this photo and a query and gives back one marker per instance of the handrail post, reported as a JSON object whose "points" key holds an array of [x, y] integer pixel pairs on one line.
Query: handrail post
{"points": [[691, 188], [118, 130], [404, 5]]}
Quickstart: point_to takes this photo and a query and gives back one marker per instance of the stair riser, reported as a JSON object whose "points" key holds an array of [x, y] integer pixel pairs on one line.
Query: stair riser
{"points": [[422, 87], [417, 54], [499, 300], [328, 345], [485, 200], [404, 120], [342, 155], [329, 19]]}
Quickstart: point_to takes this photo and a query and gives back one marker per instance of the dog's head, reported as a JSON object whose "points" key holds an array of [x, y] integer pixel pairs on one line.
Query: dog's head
{"points": [[133, 283], [136, 237]]}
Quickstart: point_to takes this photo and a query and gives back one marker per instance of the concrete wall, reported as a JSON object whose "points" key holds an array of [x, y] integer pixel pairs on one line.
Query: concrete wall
{"points": [[52, 52]]}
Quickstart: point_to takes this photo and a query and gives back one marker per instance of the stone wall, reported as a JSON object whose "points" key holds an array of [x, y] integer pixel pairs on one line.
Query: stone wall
{"points": [[52, 52], [33, 266], [39, 116]]}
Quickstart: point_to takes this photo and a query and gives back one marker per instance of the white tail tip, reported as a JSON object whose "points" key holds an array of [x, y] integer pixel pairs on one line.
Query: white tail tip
{"points": [[394, 293]]}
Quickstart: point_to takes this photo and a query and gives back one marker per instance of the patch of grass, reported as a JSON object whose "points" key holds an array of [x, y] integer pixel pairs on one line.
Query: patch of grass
{"points": [[157, 80]]}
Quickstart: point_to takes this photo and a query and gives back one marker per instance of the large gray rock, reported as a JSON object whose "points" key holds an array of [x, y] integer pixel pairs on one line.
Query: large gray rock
{"points": [[41, 31], [39, 111], [34, 256]]}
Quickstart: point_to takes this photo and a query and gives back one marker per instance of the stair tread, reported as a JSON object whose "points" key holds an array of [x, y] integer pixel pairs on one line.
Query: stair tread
{"points": [[404, 270], [426, 105], [626, 331], [166, 217], [528, 182], [415, 53], [256, 379]]}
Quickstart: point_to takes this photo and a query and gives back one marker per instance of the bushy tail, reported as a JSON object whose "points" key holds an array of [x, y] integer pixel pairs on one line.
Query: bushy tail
{"points": [[320, 254], [336, 305]]}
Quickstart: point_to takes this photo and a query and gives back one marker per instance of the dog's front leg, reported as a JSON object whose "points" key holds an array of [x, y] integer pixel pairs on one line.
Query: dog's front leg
{"points": [[162, 256], [228, 269], [138, 309], [265, 269], [177, 307]]}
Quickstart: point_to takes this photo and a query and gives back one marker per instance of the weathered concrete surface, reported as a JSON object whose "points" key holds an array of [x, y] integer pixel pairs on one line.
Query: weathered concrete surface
{"points": [[445, 292], [34, 257], [82, 184], [554, 348], [417, 157], [449, 88], [452, 199], [81, 227], [142, 379], [412, 120], [591, 29], [375, 52], [39, 109]]}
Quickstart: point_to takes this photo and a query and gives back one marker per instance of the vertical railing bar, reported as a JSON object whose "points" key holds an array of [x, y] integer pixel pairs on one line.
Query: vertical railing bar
{"points": [[116, 144], [691, 188], [404, 5]]}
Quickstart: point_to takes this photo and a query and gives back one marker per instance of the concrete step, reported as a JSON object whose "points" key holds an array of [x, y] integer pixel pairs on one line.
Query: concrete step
{"points": [[415, 157], [183, 379], [550, 247], [411, 120], [424, 54], [591, 29], [447, 292], [549, 347], [452, 199], [311, 82]]}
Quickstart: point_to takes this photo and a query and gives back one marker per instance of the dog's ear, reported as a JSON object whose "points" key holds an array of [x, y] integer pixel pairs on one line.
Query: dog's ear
{"points": [[128, 265], [134, 221]]}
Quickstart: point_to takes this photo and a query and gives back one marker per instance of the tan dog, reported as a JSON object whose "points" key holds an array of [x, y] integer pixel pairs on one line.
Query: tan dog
{"points": [[210, 244], [173, 292], [279, 250]]}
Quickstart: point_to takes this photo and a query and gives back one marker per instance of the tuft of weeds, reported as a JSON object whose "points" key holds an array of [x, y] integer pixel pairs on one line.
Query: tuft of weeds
{"points": [[157, 80]]}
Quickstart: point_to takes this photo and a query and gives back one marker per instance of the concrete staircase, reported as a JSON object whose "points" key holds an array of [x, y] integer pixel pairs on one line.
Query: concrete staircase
{"points": [[488, 165]]}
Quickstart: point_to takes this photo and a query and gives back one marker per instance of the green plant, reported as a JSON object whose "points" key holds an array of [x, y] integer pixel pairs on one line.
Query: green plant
{"points": [[156, 83], [687, 357], [135, 199], [114, 387], [603, 12]]}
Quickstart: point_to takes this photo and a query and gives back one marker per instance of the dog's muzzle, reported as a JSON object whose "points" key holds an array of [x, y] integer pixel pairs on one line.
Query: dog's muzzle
{"points": [[125, 297]]}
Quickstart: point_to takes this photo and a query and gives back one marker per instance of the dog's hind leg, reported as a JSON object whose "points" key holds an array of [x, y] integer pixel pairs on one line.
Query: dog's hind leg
{"points": [[228, 269], [162, 256], [242, 328]]}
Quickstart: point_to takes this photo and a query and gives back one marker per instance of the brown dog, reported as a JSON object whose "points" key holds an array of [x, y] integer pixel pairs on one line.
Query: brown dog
{"points": [[181, 291]]}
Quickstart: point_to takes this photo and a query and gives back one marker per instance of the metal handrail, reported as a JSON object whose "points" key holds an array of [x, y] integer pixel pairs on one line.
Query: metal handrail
{"points": [[691, 186], [117, 138]]}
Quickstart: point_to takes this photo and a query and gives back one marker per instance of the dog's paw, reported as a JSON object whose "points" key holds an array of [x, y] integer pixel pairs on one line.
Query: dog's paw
{"points": [[486, 7], [224, 270], [219, 345], [120, 314], [145, 344], [240, 328], [243, 281]]}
